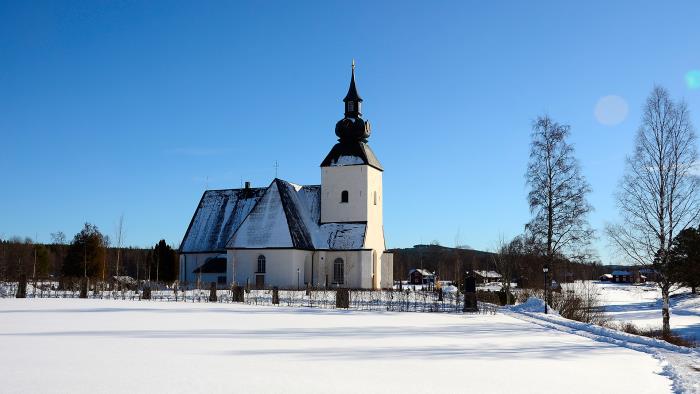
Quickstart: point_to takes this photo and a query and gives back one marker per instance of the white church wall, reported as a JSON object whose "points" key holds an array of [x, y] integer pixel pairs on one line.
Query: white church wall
{"points": [[333, 181], [357, 265], [374, 236], [387, 278], [280, 266]]}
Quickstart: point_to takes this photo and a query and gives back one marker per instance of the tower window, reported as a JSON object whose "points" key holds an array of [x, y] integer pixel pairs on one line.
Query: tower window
{"points": [[344, 196], [351, 106], [375, 198], [339, 271], [261, 264]]}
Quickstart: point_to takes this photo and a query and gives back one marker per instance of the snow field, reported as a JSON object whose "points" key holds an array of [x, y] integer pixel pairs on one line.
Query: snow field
{"points": [[74, 345]]}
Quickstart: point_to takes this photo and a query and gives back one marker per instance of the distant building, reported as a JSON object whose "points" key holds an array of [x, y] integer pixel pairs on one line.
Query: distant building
{"points": [[487, 276], [619, 276], [289, 235], [419, 276], [649, 274], [606, 278]]}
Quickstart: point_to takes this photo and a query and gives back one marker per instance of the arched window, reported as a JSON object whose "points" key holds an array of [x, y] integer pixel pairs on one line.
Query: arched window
{"points": [[261, 264], [344, 196], [339, 271]]}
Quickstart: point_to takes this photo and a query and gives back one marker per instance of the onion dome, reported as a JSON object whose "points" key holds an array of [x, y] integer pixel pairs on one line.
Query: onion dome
{"points": [[352, 127]]}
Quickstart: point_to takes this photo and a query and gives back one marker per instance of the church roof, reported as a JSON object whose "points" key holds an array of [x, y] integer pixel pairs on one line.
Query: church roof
{"points": [[288, 216], [282, 215], [351, 153], [217, 217]]}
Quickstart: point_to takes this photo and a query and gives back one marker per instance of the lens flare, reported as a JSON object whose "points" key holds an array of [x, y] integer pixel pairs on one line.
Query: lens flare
{"points": [[611, 110], [692, 79]]}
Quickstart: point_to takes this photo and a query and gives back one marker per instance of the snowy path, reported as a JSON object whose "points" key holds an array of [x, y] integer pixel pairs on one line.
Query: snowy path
{"points": [[679, 363], [59, 345]]}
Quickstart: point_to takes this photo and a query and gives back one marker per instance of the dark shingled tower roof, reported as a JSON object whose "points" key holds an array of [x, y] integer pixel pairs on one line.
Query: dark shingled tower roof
{"points": [[352, 90], [352, 132]]}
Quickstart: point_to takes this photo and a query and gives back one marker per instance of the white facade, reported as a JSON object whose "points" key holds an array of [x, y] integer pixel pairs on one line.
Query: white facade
{"points": [[280, 267], [292, 268]]}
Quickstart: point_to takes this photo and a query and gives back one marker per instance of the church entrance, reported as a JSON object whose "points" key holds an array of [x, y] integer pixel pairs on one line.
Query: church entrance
{"points": [[259, 281]]}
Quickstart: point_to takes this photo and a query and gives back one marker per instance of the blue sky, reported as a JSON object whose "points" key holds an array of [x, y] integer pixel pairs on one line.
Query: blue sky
{"points": [[133, 108]]}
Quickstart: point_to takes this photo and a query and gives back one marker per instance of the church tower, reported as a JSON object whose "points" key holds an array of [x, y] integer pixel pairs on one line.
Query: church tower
{"points": [[351, 178], [351, 175]]}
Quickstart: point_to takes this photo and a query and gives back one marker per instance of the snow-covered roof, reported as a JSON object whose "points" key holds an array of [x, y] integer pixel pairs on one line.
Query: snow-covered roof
{"points": [[421, 271], [487, 274], [273, 223], [217, 217], [621, 273], [288, 216], [346, 153], [340, 236], [606, 275], [346, 161]]}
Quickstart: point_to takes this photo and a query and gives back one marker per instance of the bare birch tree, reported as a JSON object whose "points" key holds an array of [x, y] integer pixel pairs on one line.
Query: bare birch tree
{"points": [[506, 260], [119, 235], [558, 190], [657, 197]]}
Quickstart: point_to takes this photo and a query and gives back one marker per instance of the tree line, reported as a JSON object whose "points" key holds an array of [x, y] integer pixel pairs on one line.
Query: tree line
{"points": [[517, 261], [89, 254]]}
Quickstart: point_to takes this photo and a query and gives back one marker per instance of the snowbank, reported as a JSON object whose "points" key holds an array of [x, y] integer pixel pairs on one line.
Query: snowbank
{"points": [[533, 304]]}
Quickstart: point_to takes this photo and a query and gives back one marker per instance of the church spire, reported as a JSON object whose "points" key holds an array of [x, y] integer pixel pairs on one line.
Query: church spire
{"points": [[352, 127], [352, 99]]}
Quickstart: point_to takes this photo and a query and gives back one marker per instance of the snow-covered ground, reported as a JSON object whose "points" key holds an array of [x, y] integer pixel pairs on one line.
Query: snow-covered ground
{"points": [[641, 305], [680, 363], [74, 345]]}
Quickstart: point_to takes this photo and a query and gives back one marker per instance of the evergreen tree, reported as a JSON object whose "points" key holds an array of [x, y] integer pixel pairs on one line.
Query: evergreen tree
{"points": [[42, 261], [164, 265], [685, 257], [86, 254]]}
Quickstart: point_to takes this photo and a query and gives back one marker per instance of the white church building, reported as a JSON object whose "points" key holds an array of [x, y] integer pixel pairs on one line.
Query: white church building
{"points": [[289, 235]]}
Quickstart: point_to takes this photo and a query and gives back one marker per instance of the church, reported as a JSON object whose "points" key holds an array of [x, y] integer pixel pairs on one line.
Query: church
{"points": [[290, 235]]}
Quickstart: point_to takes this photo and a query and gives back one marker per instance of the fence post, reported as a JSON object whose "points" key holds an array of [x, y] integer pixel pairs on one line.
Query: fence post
{"points": [[275, 295], [342, 298], [212, 292], [237, 294], [22, 287], [146, 293], [84, 284], [470, 304]]}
